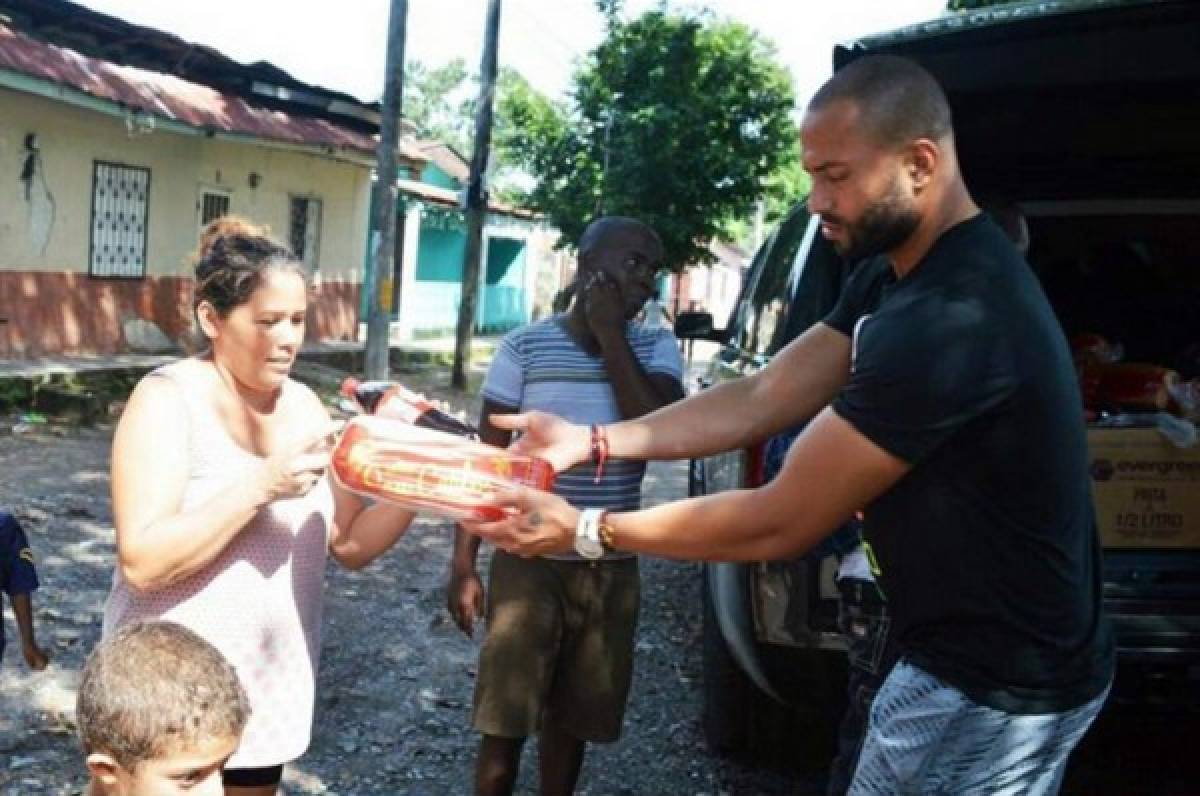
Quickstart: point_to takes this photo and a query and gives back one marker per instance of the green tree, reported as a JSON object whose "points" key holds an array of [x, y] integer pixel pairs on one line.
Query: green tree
{"points": [[435, 101], [440, 103], [781, 192], [680, 120], [521, 111]]}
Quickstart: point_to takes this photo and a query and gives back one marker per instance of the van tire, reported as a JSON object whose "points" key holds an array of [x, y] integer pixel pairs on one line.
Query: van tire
{"points": [[742, 723], [726, 688]]}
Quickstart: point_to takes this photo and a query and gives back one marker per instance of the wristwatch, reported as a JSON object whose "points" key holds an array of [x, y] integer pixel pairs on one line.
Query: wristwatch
{"points": [[588, 543]]}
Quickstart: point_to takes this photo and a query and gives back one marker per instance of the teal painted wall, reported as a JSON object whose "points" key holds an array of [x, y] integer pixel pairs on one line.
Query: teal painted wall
{"points": [[504, 300], [433, 300], [440, 254], [506, 262], [432, 175]]}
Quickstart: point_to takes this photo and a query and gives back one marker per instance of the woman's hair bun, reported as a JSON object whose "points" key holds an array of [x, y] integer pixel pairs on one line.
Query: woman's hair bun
{"points": [[228, 227]]}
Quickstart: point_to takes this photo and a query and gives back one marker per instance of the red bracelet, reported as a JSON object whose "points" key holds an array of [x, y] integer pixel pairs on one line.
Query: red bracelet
{"points": [[599, 450]]}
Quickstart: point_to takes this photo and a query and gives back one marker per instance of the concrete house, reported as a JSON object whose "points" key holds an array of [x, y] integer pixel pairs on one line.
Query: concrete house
{"points": [[118, 143], [713, 287], [520, 271]]}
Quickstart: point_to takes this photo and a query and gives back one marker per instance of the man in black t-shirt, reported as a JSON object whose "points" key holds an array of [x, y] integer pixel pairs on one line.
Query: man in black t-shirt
{"points": [[943, 402]]}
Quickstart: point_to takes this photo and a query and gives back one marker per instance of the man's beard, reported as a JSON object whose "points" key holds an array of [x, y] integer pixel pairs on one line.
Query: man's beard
{"points": [[883, 226]]}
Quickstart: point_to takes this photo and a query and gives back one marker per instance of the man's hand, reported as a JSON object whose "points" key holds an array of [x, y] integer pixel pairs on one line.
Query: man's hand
{"points": [[36, 657], [464, 598], [542, 523], [548, 437], [603, 306]]}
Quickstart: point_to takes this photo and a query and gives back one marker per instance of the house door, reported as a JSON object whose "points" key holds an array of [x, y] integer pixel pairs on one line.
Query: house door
{"points": [[503, 304]]}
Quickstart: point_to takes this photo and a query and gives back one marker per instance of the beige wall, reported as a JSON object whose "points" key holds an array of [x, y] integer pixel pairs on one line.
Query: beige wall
{"points": [[51, 235]]}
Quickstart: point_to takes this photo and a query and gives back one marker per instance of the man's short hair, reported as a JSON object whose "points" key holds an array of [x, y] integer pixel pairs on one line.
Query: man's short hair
{"points": [[155, 688], [598, 230], [898, 101]]}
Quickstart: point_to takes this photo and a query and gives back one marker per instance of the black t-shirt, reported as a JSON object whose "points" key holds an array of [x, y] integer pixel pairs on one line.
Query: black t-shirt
{"points": [[988, 546]]}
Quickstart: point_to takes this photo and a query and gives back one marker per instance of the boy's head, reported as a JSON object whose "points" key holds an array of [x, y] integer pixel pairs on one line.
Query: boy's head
{"points": [[159, 710]]}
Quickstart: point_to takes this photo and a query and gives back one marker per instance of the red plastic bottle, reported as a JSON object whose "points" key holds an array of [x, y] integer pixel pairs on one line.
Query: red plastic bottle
{"points": [[388, 399]]}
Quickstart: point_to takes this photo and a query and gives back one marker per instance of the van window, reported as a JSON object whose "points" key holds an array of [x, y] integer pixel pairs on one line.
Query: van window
{"points": [[762, 318], [821, 282]]}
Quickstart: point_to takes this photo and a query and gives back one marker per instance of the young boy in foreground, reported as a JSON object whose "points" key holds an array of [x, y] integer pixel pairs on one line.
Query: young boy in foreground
{"points": [[159, 710]]}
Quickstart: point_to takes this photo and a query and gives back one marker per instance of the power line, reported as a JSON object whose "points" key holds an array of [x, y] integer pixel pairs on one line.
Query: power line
{"points": [[563, 44]]}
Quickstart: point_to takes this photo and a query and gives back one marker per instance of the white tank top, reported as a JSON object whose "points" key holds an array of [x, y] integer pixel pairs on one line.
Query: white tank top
{"points": [[259, 602]]}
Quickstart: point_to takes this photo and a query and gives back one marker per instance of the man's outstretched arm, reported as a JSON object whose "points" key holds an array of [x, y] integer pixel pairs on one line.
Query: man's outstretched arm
{"points": [[831, 471], [801, 380]]}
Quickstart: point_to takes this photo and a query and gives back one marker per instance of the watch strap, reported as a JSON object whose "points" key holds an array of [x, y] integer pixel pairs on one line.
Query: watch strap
{"points": [[605, 531], [587, 533]]}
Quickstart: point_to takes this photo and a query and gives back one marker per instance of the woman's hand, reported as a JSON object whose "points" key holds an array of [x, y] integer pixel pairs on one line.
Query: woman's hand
{"points": [[295, 471], [548, 437], [541, 523]]}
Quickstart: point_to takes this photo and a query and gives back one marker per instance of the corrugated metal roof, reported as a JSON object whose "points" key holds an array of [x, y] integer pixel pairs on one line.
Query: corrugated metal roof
{"points": [[174, 98], [88, 32], [447, 158], [444, 196]]}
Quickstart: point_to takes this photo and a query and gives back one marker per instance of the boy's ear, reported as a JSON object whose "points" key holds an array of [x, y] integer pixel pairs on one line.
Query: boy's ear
{"points": [[105, 771]]}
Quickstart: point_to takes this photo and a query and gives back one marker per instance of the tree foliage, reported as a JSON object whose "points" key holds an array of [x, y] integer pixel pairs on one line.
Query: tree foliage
{"points": [[680, 120], [610, 10], [440, 102], [434, 101]]}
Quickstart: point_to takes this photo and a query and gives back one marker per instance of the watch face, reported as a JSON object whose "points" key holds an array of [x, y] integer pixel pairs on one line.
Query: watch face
{"points": [[588, 548]]}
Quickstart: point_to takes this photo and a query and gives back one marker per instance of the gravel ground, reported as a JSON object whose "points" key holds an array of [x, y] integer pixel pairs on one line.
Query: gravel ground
{"points": [[396, 677]]}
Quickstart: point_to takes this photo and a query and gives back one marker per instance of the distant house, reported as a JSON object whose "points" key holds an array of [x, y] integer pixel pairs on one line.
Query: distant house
{"points": [[520, 270], [711, 288], [118, 143]]}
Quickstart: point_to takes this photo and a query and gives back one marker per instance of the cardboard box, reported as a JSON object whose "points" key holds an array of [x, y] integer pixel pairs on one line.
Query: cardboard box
{"points": [[1146, 490]]}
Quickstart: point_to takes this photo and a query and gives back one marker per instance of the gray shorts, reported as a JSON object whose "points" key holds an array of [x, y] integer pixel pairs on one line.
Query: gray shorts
{"points": [[927, 737]]}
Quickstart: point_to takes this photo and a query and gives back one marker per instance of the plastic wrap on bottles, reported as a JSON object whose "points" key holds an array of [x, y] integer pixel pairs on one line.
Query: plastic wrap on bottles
{"points": [[1179, 432], [389, 399], [430, 471], [1127, 386], [1091, 347], [1185, 396]]}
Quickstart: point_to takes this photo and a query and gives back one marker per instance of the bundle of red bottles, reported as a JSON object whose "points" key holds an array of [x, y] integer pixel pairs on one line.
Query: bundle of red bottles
{"points": [[409, 452]]}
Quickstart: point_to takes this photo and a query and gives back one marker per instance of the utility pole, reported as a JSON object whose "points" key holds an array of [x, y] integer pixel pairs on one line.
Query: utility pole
{"points": [[379, 285], [477, 198]]}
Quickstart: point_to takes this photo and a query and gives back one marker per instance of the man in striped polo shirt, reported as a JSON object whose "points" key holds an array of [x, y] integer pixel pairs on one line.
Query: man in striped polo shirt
{"points": [[558, 657]]}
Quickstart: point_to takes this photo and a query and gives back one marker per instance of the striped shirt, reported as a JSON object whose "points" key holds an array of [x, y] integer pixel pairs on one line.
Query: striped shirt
{"points": [[541, 367]]}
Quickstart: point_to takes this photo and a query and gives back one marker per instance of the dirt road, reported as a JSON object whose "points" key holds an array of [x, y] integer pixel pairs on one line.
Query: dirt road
{"points": [[396, 678]]}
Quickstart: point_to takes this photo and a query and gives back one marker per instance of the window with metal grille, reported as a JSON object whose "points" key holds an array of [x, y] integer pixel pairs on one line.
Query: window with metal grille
{"points": [[120, 209], [212, 206], [304, 229]]}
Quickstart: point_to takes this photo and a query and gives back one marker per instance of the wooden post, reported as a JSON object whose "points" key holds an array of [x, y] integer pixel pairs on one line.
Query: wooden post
{"points": [[476, 199], [379, 277]]}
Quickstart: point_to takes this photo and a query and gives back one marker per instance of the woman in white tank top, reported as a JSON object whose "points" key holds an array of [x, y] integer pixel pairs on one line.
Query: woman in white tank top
{"points": [[223, 512]]}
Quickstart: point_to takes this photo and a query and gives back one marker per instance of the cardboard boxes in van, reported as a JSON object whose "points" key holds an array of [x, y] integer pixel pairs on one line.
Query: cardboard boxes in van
{"points": [[1146, 490]]}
